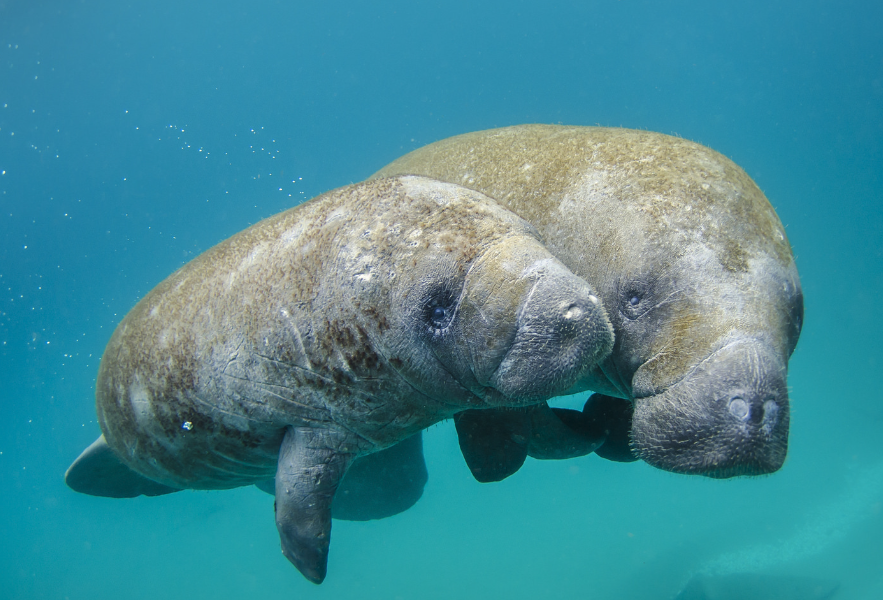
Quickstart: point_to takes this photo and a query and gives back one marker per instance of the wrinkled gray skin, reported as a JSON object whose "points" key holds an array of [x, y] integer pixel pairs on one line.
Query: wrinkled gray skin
{"points": [[691, 263], [329, 332]]}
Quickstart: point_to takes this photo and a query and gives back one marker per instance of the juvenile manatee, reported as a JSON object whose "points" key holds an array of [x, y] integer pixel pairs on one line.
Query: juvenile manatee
{"points": [[690, 261], [330, 332]]}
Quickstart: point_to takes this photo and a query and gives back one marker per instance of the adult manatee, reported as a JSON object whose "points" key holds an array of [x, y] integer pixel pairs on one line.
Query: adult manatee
{"points": [[691, 263], [329, 332], [739, 586]]}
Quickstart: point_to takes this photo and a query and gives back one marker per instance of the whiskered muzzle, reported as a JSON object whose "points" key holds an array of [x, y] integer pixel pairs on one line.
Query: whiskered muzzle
{"points": [[562, 331], [728, 417]]}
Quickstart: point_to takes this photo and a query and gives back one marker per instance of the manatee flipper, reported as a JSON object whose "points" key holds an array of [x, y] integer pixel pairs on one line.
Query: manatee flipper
{"points": [[268, 486], [378, 485], [493, 441], [560, 433], [312, 463], [99, 472], [382, 484], [610, 418]]}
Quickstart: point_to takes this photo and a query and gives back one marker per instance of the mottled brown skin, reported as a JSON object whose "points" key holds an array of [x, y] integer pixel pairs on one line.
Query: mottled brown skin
{"points": [[335, 330], [691, 263]]}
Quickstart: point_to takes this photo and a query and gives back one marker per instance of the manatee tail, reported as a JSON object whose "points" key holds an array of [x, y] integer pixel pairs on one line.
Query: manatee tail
{"points": [[99, 472]]}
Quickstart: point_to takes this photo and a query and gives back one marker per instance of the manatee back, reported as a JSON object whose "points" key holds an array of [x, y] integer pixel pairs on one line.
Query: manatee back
{"points": [[556, 177], [184, 395]]}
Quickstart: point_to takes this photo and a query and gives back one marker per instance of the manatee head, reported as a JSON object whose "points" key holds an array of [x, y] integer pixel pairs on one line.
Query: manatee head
{"points": [[702, 349], [690, 261], [479, 312], [701, 288]]}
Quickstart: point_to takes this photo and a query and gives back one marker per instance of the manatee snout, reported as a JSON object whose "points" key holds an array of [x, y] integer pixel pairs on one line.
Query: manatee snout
{"points": [[728, 417], [562, 331]]}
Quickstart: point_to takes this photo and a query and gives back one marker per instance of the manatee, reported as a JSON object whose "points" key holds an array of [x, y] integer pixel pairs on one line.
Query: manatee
{"points": [[739, 586], [693, 267], [330, 332]]}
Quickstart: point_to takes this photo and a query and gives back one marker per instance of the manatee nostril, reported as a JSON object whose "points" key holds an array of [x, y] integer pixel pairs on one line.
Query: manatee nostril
{"points": [[572, 312], [770, 415], [765, 415], [739, 408]]}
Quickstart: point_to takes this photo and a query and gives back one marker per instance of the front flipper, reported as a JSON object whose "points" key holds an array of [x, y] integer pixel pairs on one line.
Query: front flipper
{"points": [[382, 484], [612, 418], [312, 462], [603, 425], [560, 433], [378, 485], [99, 472], [493, 441]]}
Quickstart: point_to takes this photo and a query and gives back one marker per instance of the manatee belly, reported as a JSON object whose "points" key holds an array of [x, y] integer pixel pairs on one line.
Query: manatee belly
{"points": [[181, 442], [180, 415]]}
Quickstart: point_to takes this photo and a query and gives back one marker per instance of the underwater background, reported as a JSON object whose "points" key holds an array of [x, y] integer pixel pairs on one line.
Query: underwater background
{"points": [[135, 135]]}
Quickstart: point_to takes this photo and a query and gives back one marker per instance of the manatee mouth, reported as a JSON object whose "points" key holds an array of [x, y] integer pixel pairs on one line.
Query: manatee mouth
{"points": [[726, 418]]}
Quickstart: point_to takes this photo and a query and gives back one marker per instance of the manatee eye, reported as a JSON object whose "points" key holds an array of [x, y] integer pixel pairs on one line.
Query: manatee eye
{"points": [[439, 309], [635, 298], [438, 315], [632, 303]]}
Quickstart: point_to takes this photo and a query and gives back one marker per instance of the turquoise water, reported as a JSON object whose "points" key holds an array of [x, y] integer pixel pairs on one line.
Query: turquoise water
{"points": [[135, 135]]}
